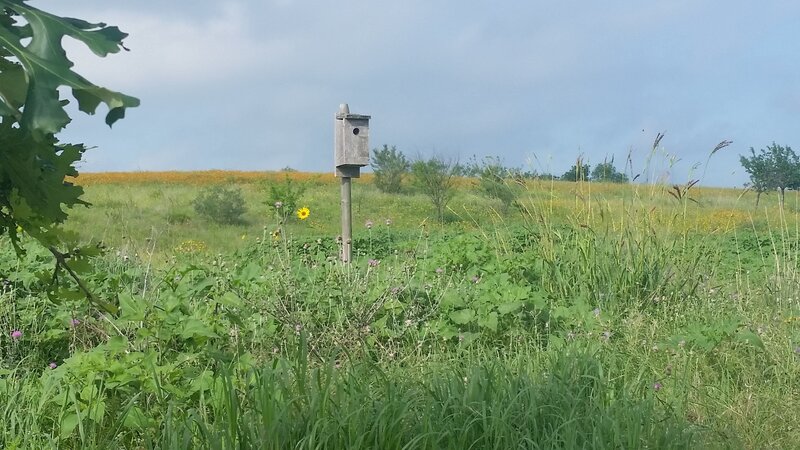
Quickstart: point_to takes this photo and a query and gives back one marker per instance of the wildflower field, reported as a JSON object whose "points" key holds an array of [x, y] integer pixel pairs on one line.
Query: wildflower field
{"points": [[585, 316]]}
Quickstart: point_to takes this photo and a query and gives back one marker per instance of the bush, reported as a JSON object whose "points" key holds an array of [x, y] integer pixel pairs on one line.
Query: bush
{"points": [[436, 179], [221, 204], [390, 166], [284, 198], [497, 182]]}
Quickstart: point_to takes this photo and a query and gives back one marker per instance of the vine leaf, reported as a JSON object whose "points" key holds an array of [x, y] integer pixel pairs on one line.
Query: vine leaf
{"points": [[47, 68]]}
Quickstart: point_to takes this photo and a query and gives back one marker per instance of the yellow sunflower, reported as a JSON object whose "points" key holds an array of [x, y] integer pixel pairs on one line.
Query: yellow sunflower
{"points": [[303, 213]]}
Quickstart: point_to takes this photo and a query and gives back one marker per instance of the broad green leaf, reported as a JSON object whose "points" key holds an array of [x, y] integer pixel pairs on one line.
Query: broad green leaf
{"points": [[202, 382], [96, 411], [490, 321], [249, 273], [468, 338], [508, 308], [194, 328], [229, 300], [13, 88], [117, 344], [450, 298], [463, 316], [135, 419], [48, 68], [749, 337], [68, 424], [37, 169], [132, 309]]}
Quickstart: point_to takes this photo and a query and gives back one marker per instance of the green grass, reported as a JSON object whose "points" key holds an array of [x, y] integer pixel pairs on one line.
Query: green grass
{"points": [[594, 316]]}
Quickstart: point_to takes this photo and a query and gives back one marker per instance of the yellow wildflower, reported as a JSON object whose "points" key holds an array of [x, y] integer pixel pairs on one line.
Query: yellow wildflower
{"points": [[303, 213]]}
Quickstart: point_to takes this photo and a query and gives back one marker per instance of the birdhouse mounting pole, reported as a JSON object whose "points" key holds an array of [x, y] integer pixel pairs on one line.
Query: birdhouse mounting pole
{"points": [[347, 221], [350, 154]]}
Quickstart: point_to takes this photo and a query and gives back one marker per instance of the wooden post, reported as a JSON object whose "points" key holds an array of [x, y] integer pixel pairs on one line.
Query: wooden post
{"points": [[347, 221], [350, 154]]}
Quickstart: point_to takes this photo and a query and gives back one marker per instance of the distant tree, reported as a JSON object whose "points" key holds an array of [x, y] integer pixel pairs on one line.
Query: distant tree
{"points": [[775, 167], [436, 179], [497, 181], [605, 172], [578, 172], [389, 166], [758, 166]]}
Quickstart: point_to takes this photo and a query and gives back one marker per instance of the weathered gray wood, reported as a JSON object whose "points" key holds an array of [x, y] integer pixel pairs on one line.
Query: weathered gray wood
{"points": [[351, 138], [351, 152], [347, 222]]}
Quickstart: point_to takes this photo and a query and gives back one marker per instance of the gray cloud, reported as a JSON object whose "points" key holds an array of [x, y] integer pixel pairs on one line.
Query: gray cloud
{"points": [[255, 84]]}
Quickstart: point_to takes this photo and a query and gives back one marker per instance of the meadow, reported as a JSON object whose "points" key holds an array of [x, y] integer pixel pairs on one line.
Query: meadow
{"points": [[587, 316]]}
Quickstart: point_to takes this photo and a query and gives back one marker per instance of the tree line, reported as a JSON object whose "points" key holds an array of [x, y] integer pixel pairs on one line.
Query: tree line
{"points": [[435, 177]]}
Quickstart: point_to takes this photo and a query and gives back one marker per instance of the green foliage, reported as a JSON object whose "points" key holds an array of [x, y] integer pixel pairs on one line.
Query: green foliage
{"points": [[497, 181], [436, 179], [578, 172], [775, 167], [479, 406], [33, 164], [284, 198], [282, 342], [221, 204], [605, 172], [390, 167]]}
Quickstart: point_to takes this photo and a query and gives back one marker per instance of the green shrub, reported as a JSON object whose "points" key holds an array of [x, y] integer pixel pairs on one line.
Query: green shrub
{"points": [[284, 197], [221, 204], [495, 181], [390, 166], [436, 179]]}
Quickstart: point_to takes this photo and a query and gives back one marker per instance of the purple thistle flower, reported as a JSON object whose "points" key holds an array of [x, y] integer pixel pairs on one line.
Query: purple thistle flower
{"points": [[16, 334], [52, 365], [657, 386], [439, 270], [74, 322], [373, 262], [476, 279]]}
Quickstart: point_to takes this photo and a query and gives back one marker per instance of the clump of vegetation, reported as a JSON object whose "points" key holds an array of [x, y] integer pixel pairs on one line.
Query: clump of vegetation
{"points": [[284, 198], [499, 182], [436, 179], [390, 167], [773, 168], [605, 172], [221, 204], [578, 172]]}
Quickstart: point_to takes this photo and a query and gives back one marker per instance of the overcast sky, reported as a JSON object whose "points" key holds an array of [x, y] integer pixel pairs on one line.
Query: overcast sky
{"points": [[255, 85]]}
